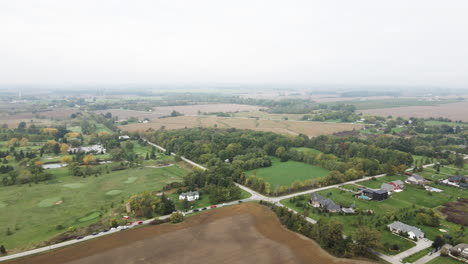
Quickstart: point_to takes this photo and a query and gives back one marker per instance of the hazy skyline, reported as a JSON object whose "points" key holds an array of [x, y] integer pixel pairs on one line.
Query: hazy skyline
{"points": [[359, 42]]}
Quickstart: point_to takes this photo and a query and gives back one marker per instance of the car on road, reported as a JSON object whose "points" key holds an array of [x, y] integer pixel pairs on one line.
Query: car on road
{"points": [[140, 222], [240, 201], [204, 208], [79, 237], [213, 206], [195, 210], [94, 233]]}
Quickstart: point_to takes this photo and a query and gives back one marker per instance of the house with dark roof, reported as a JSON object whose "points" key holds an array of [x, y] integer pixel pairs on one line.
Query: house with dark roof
{"points": [[375, 194], [399, 227], [317, 200], [458, 179]]}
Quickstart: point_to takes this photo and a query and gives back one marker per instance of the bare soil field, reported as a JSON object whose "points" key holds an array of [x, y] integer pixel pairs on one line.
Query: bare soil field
{"points": [[123, 114], [247, 233], [454, 111], [208, 108], [310, 129]]}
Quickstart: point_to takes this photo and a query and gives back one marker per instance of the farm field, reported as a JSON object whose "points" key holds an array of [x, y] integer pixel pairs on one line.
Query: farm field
{"points": [[205, 108], [395, 103], [32, 212], [285, 173], [278, 126], [454, 111], [247, 233], [266, 115]]}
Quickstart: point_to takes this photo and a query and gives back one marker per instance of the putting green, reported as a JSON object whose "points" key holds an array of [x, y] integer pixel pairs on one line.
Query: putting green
{"points": [[131, 180], [3, 205], [73, 185], [113, 192], [90, 216], [49, 202]]}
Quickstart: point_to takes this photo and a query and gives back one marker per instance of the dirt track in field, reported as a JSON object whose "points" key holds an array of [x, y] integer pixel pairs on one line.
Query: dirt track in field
{"points": [[310, 129], [247, 233]]}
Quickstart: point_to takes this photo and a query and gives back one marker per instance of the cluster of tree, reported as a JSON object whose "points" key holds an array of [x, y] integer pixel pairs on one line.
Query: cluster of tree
{"points": [[26, 172], [346, 158], [147, 204], [329, 234]]}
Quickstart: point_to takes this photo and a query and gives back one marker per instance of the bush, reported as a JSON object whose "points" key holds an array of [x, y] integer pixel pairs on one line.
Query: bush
{"points": [[3, 250], [59, 227], [176, 218], [395, 247]]}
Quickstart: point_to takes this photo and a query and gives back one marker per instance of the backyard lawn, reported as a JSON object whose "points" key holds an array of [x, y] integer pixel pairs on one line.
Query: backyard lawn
{"points": [[285, 173]]}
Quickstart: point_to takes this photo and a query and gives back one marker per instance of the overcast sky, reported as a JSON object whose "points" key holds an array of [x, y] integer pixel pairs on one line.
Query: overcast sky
{"points": [[358, 42]]}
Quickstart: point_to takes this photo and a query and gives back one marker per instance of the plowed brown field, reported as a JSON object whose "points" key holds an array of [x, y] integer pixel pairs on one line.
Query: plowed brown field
{"points": [[310, 129], [247, 233]]}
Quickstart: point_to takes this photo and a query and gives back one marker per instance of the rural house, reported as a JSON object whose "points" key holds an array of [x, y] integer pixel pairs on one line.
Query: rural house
{"points": [[460, 250], [98, 149], [320, 201], [373, 194], [399, 227], [416, 179], [387, 187], [399, 185], [189, 196], [458, 179], [124, 137]]}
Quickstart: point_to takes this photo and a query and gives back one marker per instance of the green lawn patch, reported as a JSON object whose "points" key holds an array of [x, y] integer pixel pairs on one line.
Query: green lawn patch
{"points": [[389, 239], [49, 202], [3, 205], [114, 192], [285, 173], [73, 185], [444, 260], [131, 180], [90, 216], [304, 149], [417, 255]]}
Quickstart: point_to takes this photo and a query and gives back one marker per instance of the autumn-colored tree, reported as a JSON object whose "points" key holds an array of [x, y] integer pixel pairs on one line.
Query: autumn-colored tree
{"points": [[49, 131], [64, 148], [88, 159], [12, 142], [66, 159], [72, 135], [24, 142]]}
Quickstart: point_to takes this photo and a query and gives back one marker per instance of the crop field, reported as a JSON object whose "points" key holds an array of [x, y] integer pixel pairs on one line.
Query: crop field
{"points": [[395, 103], [32, 212], [247, 233], [285, 173], [266, 115], [279, 126], [454, 111], [205, 108]]}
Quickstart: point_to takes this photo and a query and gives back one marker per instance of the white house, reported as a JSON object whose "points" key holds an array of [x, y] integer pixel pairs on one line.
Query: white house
{"points": [[89, 149], [189, 196], [124, 137], [399, 227]]}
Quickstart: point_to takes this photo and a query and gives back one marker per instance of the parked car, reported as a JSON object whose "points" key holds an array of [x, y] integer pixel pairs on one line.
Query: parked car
{"points": [[213, 206], [195, 210], [140, 222]]}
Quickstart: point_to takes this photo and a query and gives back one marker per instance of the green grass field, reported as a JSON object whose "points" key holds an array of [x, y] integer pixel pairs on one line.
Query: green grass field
{"points": [[304, 149], [33, 212], [417, 255], [285, 173], [444, 260], [440, 123], [391, 103]]}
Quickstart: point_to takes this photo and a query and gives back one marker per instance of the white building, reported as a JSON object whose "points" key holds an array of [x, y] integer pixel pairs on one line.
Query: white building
{"points": [[189, 196], [98, 149], [399, 227]]}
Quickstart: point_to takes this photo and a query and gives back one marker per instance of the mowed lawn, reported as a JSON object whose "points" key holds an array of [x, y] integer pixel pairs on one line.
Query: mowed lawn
{"points": [[33, 212], [285, 173]]}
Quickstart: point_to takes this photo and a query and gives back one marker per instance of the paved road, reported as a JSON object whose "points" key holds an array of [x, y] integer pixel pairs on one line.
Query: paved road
{"points": [[255, 197]]}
